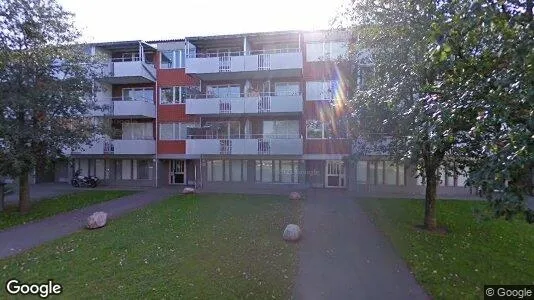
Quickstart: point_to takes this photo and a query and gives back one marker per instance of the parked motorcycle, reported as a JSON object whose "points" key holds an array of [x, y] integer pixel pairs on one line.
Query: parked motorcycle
{"points": [[79, 180]]}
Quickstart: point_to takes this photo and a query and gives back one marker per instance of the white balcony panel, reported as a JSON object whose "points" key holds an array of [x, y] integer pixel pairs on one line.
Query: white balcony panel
{"points": [[134, 146], [237, 63], [244, 105], [202, 65], [106, 108], [280, 61], [140, 109], [97, 148], [127, 72], [286, 104]]}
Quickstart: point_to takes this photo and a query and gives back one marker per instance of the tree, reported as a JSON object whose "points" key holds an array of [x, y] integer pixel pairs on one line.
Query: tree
{"points": [[443, 79], [490, 47], [404, 102], [46, 83]]}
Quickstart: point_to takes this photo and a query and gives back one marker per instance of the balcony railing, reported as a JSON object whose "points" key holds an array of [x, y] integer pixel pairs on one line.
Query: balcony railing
{"points": [[209, 66], [263, 144], [120, 146], [244, 103]]}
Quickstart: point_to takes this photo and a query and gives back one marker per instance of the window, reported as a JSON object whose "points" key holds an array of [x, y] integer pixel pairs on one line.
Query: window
{"points": [[380, 172], [277, 171], [325, 130], [175, 94], [286, 88], [227, 170], [137, 131], [330, 50], [138, 94], [144, 169], [126, 169], [321, 90], [174, 131], [281, 129], [224, 129], [172, 59], [223, 91], [314, 130]]}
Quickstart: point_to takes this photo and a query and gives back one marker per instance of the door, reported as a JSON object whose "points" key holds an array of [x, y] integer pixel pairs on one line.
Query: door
{"points": [[335, 174], [177, 172]]}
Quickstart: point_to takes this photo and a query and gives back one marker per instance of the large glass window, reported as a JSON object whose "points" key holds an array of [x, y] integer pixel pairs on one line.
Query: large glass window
{"points": [[328, 50], [172, 59], [174, 131], [227, 170], [286, 88], [361, 171], [321, 90], [278, 171], [314, 129], [175, 94], [281, 129], [138, 94], [137, 131], [223, 91], [390, 173], [224, 129]]}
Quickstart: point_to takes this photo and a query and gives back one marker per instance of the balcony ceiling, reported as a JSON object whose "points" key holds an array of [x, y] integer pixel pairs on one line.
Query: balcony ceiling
{"points": [[237, 39], [124, 45]]}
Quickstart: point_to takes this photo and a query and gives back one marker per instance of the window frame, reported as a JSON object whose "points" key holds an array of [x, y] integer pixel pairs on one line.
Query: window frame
{"points": [[174, 89], [176, 129], [178, 60]]}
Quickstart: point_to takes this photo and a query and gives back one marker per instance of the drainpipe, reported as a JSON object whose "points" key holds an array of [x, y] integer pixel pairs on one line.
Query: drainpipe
{"points": [[157, 125]]}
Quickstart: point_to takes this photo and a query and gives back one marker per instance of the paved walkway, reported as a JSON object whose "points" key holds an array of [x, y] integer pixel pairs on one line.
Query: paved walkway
{"points": [[343, 255], [21, 238]]}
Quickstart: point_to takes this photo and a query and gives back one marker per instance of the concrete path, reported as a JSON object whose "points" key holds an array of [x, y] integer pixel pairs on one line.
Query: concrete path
{"points": [[344, 256], [21, 238], [41, 191]]}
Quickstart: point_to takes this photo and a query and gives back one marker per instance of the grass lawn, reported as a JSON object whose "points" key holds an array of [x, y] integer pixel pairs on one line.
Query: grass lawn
{"points": [[476, 251], [187, 247], [52, 206]]}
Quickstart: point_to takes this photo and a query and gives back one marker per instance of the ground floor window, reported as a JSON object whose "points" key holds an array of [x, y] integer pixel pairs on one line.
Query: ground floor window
{"points": [[227, 170], [280, 171], [380, 172], [448, 178]]}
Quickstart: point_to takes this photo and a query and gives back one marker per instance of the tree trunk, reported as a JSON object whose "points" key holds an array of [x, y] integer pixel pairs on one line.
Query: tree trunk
{"points": [[430, 200], [24, 194]]}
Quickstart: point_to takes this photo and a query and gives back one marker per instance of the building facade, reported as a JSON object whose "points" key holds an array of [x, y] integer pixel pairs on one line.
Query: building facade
{"points": [[258, 110]]}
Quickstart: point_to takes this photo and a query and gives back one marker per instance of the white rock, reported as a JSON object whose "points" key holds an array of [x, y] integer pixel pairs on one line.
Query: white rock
{"points": [[295, 196], [292, 233], [97, 220], [188, 190]]}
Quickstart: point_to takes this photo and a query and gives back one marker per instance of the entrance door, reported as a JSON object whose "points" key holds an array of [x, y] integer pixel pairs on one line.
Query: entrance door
{"points": [[177, 172], [335, 173]]}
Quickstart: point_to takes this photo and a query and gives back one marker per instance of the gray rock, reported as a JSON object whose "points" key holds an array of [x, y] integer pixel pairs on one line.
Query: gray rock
{"points": [[295, 196], [188, 190], [97, 220], [292, 233]]}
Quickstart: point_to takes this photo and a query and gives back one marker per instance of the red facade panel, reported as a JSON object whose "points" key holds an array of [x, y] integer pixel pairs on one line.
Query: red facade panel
{"points": [[173, 113], [171, 147], [324, 146]]}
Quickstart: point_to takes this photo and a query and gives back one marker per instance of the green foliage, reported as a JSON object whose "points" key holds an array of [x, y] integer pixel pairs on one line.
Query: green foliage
{"points": [[187, 247], [453, 86], [45, 81], [475, 250], [49, 207]]}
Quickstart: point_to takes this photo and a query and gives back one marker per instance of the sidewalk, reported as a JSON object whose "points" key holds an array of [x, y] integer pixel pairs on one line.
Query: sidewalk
{"points": [[24, 237], [343, 255]]}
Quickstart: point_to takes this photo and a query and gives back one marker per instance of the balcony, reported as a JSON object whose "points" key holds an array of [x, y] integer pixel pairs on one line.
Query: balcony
{"points": [[136, 147], [255, 145], [133, 108], [244, 65], [128, 72], [264, 103]]}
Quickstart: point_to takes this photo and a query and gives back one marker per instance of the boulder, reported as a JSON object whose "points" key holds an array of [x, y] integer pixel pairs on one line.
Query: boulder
{"points": [[295, 196], [292, 233], [97, 220], [188, 190]]}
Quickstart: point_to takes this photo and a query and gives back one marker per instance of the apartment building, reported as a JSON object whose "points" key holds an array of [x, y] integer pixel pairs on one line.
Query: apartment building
{"points": [[245, 110]]}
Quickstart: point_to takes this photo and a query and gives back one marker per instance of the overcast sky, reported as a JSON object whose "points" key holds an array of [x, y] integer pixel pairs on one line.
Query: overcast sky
{"points": [[111, 20]]}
